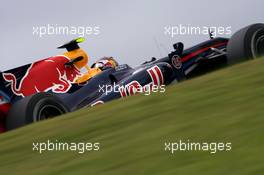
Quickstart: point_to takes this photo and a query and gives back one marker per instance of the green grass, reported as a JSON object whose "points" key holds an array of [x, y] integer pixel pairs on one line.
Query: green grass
{"points": [[223, 106]]}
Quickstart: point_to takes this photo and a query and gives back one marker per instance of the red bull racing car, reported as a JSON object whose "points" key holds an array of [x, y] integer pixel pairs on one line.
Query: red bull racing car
{"points": [[57, 85]]}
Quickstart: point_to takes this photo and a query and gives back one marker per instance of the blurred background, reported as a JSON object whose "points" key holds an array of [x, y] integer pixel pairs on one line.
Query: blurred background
{"points": [[132, 31]]}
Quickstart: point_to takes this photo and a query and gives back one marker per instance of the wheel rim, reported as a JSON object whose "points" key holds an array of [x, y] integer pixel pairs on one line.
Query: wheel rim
{"points": [[260, 46], [258, 43], [49, 111]]}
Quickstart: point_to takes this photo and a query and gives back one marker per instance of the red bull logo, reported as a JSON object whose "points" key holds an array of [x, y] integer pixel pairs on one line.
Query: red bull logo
{"points": [[50, 74], [156, 75], [134, 87]]}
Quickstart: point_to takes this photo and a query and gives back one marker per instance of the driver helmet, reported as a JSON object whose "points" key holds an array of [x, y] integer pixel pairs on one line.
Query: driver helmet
{"points": [[105, 63]]}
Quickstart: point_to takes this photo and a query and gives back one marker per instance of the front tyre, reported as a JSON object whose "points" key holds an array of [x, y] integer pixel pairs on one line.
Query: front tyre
{"points": [[247, 43], [34, 108]]}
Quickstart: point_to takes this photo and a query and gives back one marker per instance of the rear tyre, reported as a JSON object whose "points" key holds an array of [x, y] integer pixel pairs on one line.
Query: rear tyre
{"points": [[247, 43], [34, 108]]}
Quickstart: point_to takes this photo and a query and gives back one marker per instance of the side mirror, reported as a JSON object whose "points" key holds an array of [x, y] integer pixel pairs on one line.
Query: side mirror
{"points": [[178, 47]]}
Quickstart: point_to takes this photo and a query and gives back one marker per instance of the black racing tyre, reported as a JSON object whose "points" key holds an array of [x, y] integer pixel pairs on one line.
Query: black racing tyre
{"points": [[34, 108], [247, 43]]}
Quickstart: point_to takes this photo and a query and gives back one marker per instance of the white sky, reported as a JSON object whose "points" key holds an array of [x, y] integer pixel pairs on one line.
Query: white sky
{"points": [[128, 28]]}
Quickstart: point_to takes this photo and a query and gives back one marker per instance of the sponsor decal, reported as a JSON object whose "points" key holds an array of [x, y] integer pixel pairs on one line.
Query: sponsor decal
{"points": [[50, 74], [134, 87], [130, 89], [156, 75], [176, 61]]}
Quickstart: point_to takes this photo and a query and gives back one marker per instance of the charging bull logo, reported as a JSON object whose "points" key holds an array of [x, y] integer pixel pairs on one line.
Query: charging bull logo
{"points": [[49, 74]]}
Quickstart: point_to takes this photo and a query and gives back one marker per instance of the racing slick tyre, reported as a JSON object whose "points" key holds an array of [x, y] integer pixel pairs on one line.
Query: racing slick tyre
{"points": [[247, 43], [34, 108]]}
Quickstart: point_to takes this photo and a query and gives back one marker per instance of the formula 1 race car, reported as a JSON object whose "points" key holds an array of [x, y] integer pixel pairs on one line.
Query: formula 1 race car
{"points": [[56, 85]]}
